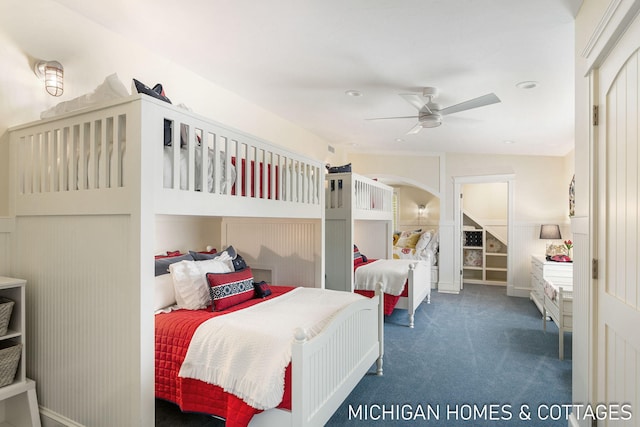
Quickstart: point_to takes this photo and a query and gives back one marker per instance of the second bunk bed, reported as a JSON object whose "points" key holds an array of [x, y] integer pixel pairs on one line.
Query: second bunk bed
{"points": [[359, 220]]}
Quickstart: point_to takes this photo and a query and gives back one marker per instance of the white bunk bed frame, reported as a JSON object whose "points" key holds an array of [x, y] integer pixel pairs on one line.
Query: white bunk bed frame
{"points": [[66, 209], [353, 201]]}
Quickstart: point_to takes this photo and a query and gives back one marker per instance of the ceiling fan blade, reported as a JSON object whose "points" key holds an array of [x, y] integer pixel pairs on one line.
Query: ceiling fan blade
{"points": [[387, 118], [417, 101], [415, 129], [480, 101]]}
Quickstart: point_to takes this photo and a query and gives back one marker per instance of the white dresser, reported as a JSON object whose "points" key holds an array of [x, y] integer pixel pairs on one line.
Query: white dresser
{"points": [[560, 273]]}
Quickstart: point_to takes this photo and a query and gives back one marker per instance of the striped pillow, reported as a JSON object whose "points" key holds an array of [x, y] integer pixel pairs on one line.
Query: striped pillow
{"points": [[229, 289]]}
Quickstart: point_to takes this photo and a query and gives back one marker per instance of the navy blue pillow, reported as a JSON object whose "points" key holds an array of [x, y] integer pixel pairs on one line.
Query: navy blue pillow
{"points": [[239, 263], [262, 289], [162, 264], [199, 256]]}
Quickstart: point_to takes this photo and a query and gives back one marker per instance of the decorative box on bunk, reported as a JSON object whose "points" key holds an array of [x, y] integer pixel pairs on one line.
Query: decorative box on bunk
{"points": [[473, 238]]}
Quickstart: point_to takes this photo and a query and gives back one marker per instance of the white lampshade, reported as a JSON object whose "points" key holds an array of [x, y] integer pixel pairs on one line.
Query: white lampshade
{"points": [[550, 232]]}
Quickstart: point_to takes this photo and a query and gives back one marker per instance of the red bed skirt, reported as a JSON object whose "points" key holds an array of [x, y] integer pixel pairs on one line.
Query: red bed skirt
{"points": [[173, 334]]}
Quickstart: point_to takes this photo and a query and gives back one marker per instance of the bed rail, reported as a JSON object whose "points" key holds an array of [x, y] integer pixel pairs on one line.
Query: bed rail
{"points": [[364, 197], [107, 159], [327, 367]]}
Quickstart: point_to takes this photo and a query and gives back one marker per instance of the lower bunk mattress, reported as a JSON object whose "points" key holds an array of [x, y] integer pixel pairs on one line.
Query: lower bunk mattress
{"points": [[218, 375], [390, 298]]}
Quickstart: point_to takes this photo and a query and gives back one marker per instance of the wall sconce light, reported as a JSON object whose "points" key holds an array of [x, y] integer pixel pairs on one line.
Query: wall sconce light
{"points": [[53, 75], [421, 209]]}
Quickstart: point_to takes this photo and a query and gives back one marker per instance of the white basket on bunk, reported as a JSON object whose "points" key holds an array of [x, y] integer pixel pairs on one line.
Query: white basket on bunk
{"points": [[10, 353]]}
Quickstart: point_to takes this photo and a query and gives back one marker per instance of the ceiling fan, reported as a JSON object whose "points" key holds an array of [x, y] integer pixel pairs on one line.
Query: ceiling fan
{"points": [[430, 114]]}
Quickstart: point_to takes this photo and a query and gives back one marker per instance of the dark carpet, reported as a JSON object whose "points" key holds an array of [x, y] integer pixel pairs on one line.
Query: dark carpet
{"points": [[475, 359]]}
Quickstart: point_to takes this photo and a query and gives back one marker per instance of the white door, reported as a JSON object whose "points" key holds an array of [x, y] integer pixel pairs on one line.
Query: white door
{"points": [[618, 236]]}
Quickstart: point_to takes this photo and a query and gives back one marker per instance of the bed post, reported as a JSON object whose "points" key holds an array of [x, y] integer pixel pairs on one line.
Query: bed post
{"points": [[380, 297], [411, 306]]}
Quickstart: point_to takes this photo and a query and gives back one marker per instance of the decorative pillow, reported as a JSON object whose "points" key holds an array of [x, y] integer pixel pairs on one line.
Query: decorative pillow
{"points": [[262, 289], [168, 254], [162, 264], [157, 91], [412, 240], [202, 256], [190, 283], [239, 263], [231, 251], [423, 241], [339, 169], [229, 289], [357, 256], [164, 294], [396, 237]]}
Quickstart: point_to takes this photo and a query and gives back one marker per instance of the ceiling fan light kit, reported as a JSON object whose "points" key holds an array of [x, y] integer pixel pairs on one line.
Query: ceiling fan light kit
{"points": [[431, 121], [430, 114]]}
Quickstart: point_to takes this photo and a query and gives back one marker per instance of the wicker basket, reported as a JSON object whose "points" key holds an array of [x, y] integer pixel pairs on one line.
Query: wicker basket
{"points": [[10, 353], [6, 307]]}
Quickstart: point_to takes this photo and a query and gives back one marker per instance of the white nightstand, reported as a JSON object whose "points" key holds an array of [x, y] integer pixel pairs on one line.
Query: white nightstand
{"points": [[560, 273]]}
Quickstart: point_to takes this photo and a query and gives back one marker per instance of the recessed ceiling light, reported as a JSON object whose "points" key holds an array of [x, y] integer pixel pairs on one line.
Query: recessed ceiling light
{"points": [[529, 84], [399, 140], [353, 92], [509, 142]]}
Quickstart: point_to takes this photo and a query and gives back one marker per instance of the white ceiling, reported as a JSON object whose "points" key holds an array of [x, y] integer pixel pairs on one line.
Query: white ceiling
{"points": [[297, 58]]}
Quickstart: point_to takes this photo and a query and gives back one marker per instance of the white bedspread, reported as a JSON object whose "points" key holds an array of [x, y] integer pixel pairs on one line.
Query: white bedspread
{"points": [[392, 273], [246, 352]]}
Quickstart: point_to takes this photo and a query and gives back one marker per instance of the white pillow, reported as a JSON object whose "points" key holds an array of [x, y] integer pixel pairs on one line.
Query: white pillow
{"points": [[190, 282], [164, 293], [423, 241]]}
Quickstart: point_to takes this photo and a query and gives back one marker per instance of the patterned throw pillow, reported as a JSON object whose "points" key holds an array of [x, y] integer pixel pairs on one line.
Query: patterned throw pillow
{"points": [[357, 256], [263, 289], [229, 289]]}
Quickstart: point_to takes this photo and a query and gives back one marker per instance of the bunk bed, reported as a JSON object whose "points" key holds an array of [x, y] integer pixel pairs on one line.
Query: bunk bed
{"points": [[361, 208], [90, 191]]}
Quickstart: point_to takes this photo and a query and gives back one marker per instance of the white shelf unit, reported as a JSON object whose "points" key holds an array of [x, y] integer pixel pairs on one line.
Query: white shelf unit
{"points": [[18, 400], [480, 265]]}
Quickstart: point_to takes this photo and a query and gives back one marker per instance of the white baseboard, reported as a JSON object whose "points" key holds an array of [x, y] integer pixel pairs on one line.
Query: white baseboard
{"points": [[49, 418], [519, 292], [448, 288]]}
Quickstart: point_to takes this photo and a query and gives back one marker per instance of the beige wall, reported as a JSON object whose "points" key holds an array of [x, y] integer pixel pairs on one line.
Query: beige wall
{"points": [[541, 184], [421, 170], [486, 202], [409, 198]]}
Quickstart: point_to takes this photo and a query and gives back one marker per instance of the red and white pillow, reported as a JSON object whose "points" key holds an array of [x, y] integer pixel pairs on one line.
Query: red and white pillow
{"points": [[229, 289]]}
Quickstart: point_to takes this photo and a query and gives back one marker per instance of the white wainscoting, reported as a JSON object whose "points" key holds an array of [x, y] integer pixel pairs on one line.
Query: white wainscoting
{"points": [[291, 248], [83, 316], [7, 226]]}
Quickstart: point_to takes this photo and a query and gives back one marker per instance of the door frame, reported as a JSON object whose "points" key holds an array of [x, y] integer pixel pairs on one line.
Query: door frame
{"points": [[458, 182], [612, 24]]}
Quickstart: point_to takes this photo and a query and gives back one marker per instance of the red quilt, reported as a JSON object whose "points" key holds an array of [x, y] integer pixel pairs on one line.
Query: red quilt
{"points": [[390, 301], [173, 332]]}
